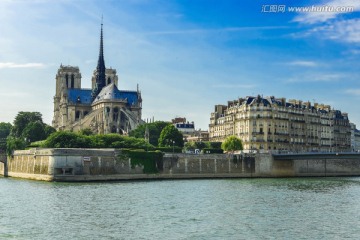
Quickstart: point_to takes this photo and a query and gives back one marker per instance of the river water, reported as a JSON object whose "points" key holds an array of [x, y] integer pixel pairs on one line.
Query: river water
{"points": [[295, 208]]}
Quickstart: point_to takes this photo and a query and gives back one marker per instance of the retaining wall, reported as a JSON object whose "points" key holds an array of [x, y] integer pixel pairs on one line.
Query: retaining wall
{"points": [[111, 164]]}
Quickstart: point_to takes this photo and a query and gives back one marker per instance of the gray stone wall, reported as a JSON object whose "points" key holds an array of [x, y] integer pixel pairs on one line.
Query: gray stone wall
{"points": [[110, 164], [207, 164]]}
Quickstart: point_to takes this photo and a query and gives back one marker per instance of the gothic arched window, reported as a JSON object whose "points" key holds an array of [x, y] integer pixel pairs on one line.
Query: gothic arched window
{"points": [[66, 80], [72, 81], [77, 115]]}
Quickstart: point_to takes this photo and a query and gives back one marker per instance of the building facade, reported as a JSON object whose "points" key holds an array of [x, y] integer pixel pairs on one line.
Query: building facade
{"points": [[103, 108], [274, 124], [355, 138]]}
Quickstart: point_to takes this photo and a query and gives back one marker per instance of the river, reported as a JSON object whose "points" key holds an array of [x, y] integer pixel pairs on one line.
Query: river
{"points": [[294, 208]]}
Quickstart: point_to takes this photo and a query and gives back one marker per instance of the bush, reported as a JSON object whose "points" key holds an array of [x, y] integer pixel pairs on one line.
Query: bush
{"points": [[37, 144], [13, 144], [78, 140], [214, 145], [169, 149], [212, 150], [67, 140]]}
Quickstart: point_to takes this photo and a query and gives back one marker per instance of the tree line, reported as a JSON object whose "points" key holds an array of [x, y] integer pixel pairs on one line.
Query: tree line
{"points": [[29, 130]]}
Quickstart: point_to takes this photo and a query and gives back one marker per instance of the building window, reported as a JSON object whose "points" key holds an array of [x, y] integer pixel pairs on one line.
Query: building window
{"points": [[109, 81], [116, 114], [77, 115], [67, 80], [72, 81]]}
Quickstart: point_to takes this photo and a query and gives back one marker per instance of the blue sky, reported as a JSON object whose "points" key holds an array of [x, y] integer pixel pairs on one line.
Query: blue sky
{"points": [[186, 55]]}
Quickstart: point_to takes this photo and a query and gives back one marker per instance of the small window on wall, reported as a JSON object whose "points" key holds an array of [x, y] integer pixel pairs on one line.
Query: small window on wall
{"points": [[108, 81]]}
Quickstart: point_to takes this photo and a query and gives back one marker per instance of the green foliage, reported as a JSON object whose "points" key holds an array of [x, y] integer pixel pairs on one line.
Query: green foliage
{"points": [[169, 149], [191, 146], [37, 144], [86, 131], [195, 145], [48, 130], [5, 129], [76, 140], [64, 139], [231, 144], [214, 145], [155, 129], [22, 119], [28, 127], [170, 136], [14, 144], [34, 131], [212, 150], [151, 161]]}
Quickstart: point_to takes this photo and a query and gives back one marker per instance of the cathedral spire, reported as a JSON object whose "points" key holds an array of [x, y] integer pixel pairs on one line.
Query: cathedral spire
{"points": [[100, 69]]}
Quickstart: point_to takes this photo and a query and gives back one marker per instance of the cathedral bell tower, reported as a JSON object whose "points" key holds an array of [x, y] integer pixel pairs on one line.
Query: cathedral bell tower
{"points": [[100, 79]]}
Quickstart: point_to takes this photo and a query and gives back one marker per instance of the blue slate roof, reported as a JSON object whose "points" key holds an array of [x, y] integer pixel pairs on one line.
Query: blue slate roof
{"points": [[131, 96], [112, 92], [77, 95]]}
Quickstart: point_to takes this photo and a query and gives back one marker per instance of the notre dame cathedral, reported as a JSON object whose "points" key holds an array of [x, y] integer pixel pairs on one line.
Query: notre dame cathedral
{"points": [[103, 108]]}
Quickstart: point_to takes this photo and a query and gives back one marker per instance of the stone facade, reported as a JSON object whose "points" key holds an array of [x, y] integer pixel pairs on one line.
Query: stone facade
{"points": [[103, 108], [271, 124]]}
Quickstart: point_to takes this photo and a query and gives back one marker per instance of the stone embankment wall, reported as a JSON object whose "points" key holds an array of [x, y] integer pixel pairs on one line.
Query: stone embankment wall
{"points": [[341, 166], [3, 165], [111, 164]]}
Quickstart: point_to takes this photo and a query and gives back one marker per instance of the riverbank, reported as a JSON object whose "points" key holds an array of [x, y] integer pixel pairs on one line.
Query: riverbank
{"points": [[79, 165]]}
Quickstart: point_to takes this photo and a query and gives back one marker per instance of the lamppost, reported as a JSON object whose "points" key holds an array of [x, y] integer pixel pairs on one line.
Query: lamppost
{"points": [[173, 146]]}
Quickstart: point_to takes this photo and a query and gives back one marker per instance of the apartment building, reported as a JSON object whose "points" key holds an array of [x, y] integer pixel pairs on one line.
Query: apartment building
{"points": [[274, 124]]}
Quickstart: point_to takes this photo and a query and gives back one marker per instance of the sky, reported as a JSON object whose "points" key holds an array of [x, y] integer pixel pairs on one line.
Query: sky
{"points": [[186, 55]]}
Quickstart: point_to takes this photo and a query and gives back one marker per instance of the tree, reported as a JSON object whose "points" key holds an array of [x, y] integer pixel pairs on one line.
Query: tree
{"points": [[22, 119], [34, 131], [5, 129], [155, 129], [232, 144], [14, 144], [48, 130], [170, 136]]}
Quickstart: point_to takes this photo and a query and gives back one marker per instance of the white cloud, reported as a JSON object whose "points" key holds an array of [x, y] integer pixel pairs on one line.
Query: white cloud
{"points": [[303, 63], [347, 31], [319, 77], [327, 10], [21, 65], [353, 92]]}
